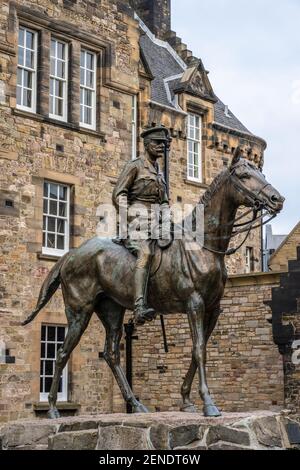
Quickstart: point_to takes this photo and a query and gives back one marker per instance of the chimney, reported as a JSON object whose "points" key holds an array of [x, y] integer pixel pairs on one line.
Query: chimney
{"points": [[156, 14]]}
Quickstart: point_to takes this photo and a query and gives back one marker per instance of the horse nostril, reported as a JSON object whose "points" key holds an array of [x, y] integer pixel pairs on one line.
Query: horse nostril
{"points": [[274, 198]]}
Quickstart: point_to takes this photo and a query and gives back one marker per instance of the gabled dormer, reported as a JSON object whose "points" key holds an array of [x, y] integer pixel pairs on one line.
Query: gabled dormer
{"points": [[195, 81]]}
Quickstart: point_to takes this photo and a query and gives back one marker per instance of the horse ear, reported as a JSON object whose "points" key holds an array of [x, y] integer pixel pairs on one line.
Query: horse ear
{"points": [[236, 156]]}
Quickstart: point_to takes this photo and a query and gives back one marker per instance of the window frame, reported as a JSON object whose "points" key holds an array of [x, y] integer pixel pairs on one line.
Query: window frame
{"points": [[64, 117], [134, 129], [55, 251], [93, 125], [33, 108], [63, 395], [249, 262], [194, 141]]}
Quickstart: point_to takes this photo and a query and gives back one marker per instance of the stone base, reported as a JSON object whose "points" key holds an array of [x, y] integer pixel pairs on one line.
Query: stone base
{"points": [[259, 430]]}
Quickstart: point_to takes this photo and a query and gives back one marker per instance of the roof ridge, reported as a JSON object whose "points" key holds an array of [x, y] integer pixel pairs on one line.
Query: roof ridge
{"points": [[160, 42]]}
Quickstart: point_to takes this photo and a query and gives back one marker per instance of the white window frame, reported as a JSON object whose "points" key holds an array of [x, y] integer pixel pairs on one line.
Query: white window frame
{"points": [[55, 251], [64, 80], [61, 396], [92, 89], [32, 108], [134, 127], [191, 137], [249, 259]]}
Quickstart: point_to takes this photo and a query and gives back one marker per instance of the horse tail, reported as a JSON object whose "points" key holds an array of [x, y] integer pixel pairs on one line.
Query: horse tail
{"points": [[49, 287]]}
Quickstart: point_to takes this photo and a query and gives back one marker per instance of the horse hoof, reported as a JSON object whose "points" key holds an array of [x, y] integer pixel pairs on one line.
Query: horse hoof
{"points": [[211, 411], [189, 408], [53, 413], [140, 408]]}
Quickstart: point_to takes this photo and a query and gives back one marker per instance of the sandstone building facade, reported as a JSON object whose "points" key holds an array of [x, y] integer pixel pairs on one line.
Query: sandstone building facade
{"points": [[286, 251], [79, 80]]}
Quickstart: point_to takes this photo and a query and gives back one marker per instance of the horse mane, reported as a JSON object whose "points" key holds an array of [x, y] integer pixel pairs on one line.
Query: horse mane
{"points": [[214, 186]]}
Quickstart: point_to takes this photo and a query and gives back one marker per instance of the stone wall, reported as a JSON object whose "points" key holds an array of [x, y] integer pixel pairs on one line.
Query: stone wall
{"points": [[245, 370]]}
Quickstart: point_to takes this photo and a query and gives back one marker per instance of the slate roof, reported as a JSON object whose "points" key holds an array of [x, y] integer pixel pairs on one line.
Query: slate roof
{"points": [[163, 65], [172, 85], [229, 120], [273, 242]]}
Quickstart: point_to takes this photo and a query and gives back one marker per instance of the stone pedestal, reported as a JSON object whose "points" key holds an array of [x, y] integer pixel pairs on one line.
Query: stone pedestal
{"points": [[260, 430]]}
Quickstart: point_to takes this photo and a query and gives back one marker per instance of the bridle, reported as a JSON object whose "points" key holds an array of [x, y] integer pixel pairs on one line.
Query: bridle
{"points": [[247, 226]]}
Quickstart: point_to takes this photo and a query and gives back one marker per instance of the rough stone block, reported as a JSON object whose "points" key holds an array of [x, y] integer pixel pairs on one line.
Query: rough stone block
{"points": [[184, 435], [77, 440], [221, 445], [123, 437], [82, 425], [26, 434], [159, 437], [227, 434], [268, 432]]}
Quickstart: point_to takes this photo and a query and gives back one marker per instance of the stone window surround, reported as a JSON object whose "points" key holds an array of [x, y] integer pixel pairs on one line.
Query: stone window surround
{"points": [[76, 39]]}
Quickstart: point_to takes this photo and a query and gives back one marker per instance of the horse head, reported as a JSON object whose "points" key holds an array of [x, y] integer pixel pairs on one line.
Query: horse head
{"points": [[251, 189]]}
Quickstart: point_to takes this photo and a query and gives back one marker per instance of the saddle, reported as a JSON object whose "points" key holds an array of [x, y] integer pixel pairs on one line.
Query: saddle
{"points": [[159, 247]]}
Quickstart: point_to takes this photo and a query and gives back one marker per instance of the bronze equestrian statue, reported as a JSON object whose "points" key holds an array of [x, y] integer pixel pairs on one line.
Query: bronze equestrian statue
{"points": [[99, 277], [142, 182]]}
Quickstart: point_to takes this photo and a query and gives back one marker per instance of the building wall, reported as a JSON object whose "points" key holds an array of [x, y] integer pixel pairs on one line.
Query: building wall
{"points": [[34, 148], [286, 252], [244, 367], [89, 163]]}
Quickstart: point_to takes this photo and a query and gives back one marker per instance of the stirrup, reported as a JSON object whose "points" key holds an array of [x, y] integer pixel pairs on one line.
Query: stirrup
{"points": [[143, 313]]}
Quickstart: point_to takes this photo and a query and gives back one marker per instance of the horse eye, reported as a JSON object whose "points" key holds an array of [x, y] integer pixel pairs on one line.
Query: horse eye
{"points": [[245, 176]]}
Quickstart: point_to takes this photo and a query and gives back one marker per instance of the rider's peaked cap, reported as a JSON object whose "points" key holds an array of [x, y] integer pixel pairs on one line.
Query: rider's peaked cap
{"points": [[156, 133]]}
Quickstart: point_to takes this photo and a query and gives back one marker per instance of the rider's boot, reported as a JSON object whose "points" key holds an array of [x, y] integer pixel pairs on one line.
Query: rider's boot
{"points": [[142, 312]]}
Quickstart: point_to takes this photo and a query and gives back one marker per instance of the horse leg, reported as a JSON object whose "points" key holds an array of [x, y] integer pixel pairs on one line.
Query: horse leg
{"points": [[196, 313], [111, 315], [212, 321], [77, 324], [187, 405]]}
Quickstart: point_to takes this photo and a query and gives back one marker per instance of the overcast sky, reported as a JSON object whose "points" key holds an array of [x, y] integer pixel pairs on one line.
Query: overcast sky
{"points": [[252, 50]]}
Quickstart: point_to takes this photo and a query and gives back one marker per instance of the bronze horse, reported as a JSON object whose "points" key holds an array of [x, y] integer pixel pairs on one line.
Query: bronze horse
{"points": [[98, 277]]}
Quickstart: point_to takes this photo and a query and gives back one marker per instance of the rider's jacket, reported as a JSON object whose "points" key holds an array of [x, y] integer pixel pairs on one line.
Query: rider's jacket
{"points": [[141, 181]]}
